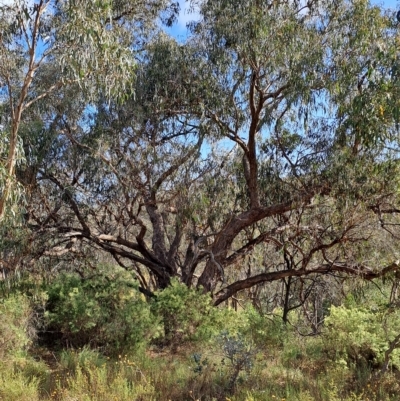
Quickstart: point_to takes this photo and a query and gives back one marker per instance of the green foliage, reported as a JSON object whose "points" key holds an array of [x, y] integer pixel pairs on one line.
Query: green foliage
{"points": [[268, 139], [72, 360], [16, 328], [287, 366], [265, 331], [103, 310], [91, 379], [359, 334], [20, 374], [188, 314], [16, 387]]}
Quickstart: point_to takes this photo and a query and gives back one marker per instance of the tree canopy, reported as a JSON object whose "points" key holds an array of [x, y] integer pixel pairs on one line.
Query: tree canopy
{"points": [[262, 148]]}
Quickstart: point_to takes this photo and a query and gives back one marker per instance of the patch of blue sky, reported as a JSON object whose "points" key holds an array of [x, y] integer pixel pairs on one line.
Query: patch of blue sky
{"points": [[187, 14], [386, 3]]}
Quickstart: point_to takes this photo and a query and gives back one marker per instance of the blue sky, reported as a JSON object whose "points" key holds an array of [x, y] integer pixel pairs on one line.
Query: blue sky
{"points": [[386, 3]]}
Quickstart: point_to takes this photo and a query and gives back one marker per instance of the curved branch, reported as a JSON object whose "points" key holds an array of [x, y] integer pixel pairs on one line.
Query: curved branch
{"points": [[362, 271]]}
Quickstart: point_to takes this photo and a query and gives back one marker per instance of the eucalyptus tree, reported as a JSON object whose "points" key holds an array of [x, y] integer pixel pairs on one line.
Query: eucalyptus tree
{"points": [[268, 137], [46, 45]]}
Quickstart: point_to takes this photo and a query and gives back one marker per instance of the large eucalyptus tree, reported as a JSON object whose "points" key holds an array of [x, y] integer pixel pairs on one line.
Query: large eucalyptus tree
{"points": [[47, 45], [263, 148]]}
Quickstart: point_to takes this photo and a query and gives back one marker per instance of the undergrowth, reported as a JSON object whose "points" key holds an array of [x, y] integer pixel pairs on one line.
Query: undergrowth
{"points": [[215, 355]]}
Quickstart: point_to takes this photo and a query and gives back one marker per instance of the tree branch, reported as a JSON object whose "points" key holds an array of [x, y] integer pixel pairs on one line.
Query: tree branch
{"points": [[363, 271]]}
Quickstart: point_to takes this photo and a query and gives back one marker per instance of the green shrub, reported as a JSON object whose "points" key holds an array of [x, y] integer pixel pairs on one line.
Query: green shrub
{"points": [[15, 386], [103, 310], [361, 334], [107, 310], [188, 314], [16, 329], [266, 331], [21, 376]]}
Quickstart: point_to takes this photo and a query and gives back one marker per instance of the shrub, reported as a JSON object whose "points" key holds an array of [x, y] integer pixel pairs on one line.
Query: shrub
{"points": [[16, 329], [263, 330], [14, 386], [240, 355], [362, 334], [103, 310], [188, 314], [20, 375]]}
